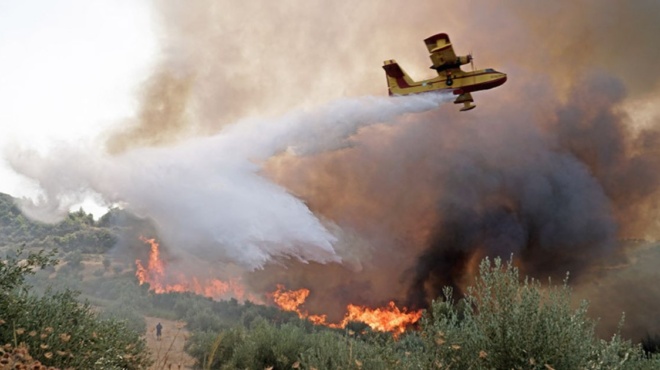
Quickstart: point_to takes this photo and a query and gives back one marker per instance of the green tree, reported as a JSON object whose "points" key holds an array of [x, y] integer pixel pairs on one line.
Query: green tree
{"points": [[74, 260]]}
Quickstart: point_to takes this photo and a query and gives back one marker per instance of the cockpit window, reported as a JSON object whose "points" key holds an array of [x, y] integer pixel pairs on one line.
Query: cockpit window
{"points": [[490, 70]]}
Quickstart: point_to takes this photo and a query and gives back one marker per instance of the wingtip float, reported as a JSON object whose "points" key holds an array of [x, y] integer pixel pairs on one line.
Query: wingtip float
{"points": [[450, 76]]}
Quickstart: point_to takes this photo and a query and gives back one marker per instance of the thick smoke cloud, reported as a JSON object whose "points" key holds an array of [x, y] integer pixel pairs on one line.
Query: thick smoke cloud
{"points": [[624, 160], [558, 204], [512, 193], [163, 115], [553, 190]]}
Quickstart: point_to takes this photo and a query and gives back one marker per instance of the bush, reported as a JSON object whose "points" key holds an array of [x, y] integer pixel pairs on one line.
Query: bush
{"points": [[74, 260], [651, 344], [267, 346], [58, 330], [508, 324], [130, 316], [13, 270], [61, 332]]}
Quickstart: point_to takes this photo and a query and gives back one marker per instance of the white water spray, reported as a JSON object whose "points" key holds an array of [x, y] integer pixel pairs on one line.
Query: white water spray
{"points": [[206, 195]]}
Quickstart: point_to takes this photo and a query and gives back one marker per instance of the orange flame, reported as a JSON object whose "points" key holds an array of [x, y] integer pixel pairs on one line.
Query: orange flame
{"points": [[290, 300], [154, 270], [154, 275], [389, 318]]}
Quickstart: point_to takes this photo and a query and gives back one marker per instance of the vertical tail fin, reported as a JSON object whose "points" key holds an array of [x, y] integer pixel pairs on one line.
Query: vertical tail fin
{"points": [[397, 79]]}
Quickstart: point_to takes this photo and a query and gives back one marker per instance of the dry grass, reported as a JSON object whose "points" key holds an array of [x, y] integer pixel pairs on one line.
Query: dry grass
{"points": [[168, 352]]}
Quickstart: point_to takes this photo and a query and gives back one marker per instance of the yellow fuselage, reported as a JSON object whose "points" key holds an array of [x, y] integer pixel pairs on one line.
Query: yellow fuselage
{"points": [[459, 82]]}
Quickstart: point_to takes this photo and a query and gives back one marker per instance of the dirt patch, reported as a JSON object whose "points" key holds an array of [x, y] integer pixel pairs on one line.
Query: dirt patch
{"points": [[167, 352]]}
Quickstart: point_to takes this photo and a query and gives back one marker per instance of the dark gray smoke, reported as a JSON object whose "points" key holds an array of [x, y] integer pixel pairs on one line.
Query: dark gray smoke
{"points": [[554, 183], [516, 191], [596, 131]]}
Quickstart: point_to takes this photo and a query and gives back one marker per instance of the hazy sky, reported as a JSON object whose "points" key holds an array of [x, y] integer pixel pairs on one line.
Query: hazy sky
{"points": [[68, 70]]}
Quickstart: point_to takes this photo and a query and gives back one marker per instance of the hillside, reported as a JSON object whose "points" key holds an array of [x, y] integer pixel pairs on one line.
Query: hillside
{"points": [[97, 259]]}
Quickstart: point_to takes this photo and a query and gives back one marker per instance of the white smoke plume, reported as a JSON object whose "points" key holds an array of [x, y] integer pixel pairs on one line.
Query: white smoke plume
{"points": [[206, 195]]}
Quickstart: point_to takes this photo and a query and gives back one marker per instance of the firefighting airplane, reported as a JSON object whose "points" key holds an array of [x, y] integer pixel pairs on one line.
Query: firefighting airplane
{"points": [[450, 76]]}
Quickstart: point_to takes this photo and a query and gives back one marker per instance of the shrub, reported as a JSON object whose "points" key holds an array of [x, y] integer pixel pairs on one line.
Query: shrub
{"points": [[61, 332], [266, 346], [58, 330], [131, 317], [509, 324], [13, 271], [651, 344]]}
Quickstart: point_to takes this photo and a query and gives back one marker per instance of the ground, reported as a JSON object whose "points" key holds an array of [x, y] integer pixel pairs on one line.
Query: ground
{"points": [[168, 353]]}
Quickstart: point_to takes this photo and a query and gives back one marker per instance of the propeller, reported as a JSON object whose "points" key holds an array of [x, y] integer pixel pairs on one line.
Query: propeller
{"points": [[474, 78]]}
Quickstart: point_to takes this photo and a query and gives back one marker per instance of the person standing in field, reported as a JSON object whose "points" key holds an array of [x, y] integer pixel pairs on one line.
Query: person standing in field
{"points": [[159, 329]]}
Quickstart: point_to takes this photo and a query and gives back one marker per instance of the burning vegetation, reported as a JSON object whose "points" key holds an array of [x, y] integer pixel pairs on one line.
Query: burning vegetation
{"points": [[159, 282], [389, 318]]}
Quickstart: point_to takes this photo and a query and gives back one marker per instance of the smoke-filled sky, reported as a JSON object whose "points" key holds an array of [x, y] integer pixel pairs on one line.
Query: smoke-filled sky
{"points": [[260, 134], [69, 70]]}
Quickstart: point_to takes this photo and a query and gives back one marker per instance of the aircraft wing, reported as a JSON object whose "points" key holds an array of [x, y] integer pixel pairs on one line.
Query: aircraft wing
{"points": [[442, 52]]}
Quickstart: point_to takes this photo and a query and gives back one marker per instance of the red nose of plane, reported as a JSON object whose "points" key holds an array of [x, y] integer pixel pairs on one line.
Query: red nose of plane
{"points": [[501, 80]]}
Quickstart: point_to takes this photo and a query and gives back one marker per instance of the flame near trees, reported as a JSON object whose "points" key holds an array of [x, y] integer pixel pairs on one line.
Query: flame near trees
{"points": [[389, 318], [154, 275], [386, 319]]}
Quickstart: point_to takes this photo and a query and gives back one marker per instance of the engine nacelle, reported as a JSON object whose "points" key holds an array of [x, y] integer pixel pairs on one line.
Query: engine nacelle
{"points": [[463, 59], [440, 64]]}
